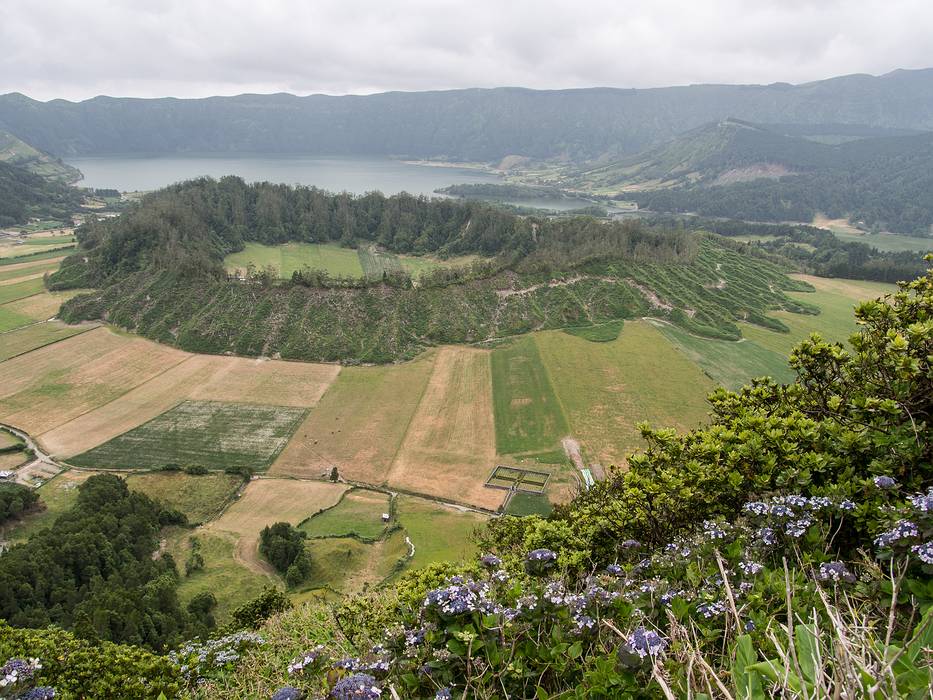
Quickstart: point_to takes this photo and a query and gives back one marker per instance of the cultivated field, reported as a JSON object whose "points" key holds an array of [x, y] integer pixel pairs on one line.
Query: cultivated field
{"points": [[24, 340], [528, 416], [56, 383], [359, 424], [43, 306], [606, 388], [13, 289], [199, 497], [211, 434], [205, 377], [450, 445]]}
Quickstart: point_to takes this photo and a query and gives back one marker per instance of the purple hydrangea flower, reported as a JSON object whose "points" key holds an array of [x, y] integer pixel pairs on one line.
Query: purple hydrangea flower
{"points": [[359, 687], [645, 642], [490, 561], [884, 482], [298, 665], [541, 555], [288, 693], [18, 671], [583, 623], [798, 528], [749, 626], [443, 694], [923, 502], [766, 535], [458, 599], [712, 531], [846, 505], [820, 503], [630, 544], [779, 510], [709, 610], [614, 570], [42, 692], [924, 552], [750, 568], [756, 508], [904, 529], [797, 501], [835, 571]]}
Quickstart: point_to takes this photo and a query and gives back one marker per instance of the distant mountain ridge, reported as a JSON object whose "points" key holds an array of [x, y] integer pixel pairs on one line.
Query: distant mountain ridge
{"points": [[465, 125]]}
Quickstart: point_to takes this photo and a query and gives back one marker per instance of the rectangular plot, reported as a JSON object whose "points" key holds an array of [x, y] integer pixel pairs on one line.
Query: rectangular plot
{"points": [[56, 383], [11, 320], [528, 415], [23, 340], [20, 290], [201, 433], [450, 444]]}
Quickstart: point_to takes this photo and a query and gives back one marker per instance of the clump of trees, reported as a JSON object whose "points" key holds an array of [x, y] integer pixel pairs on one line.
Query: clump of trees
{"points": [[15, 500], [284, 546]]}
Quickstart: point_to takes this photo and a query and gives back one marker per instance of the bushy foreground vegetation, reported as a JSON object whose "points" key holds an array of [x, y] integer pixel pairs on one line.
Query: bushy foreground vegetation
{"points": [[160, 272], [783, 550]]}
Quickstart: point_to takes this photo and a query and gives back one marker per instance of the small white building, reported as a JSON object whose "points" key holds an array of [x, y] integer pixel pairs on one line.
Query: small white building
{"points": [[4, 475], [385, 517]]}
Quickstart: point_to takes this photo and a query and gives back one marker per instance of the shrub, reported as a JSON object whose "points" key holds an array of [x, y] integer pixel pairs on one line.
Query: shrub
{"points": [[253, 613]]}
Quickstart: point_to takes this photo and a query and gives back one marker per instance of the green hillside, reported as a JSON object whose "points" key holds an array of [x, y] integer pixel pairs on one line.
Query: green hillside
{"points": [[15, 151]]}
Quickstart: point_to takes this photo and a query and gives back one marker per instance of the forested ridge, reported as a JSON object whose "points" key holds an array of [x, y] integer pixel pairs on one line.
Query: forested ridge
{"points": [[158, 269], [24, 195], [465, 125]]}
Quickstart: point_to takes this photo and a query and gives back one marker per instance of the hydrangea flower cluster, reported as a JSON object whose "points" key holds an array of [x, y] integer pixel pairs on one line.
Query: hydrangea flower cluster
{"points": [[357, 687], [884, 482], [460, 598], [835, 571], [923, 502], [306, 661], [924, 552], [645, 642], [709, 610], [903, 530], [199, 659], [288, 693], [15, 677]]}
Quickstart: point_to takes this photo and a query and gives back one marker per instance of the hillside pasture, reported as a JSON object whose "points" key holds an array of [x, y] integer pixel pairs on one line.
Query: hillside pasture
{"points": [[199, 497], [527, 414], [439, 532], [210, 434], [42, 306], [450, 445], [292, 257], [359, 424], [28, 270], [836, 299], [359, 513], [607, 388], [729, 363], [58, 382], [11, 320], [200, 377]]}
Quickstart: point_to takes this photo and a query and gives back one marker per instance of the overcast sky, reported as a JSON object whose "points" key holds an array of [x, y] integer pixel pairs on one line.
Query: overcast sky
{"points": [[191, 48]]}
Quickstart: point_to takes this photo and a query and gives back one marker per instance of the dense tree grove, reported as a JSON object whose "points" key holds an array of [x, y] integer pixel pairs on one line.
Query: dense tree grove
{"points": [[16, 499], [93, 571], [284, 546]]}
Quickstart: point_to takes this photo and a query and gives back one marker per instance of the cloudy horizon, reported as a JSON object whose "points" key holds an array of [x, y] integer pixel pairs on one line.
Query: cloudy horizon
{"points": [[196, 48]]}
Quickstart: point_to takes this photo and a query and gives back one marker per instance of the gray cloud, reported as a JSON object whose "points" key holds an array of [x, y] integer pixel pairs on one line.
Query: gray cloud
{"points": [[188, 48]]}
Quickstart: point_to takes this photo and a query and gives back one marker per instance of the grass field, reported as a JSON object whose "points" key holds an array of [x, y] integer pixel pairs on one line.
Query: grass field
{"points": [[527, 414], [27, 269], [836, 299], [438, 532], [20, 290], [882, 241], [359, 424], [344, 564], [49, 240], [529, 504], [730, 364], [358, 513], [230, 580], [56, 383], [290, 257], [25, 340], [42, 306], [11, 320], [606, 388], [450, 445], [267, 501], [9, 256], [211, 434], [199, 497]]}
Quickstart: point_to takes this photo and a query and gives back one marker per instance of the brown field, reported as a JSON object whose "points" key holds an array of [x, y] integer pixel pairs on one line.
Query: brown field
{"points": [[23, 340], [11, 460], [59, 382], [450, 446], [268, 501], [204, 377], [359, 424], [42, 306]]}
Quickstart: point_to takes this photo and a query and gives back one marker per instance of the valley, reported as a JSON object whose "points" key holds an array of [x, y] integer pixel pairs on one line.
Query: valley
{"points": [[416, 440]]}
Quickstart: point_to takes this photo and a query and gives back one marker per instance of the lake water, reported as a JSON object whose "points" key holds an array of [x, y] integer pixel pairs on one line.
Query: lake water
{"points": [[335, 174]]}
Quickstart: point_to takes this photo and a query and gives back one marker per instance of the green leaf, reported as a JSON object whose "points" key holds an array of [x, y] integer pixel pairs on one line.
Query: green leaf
{"points": [[575, 650]]}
